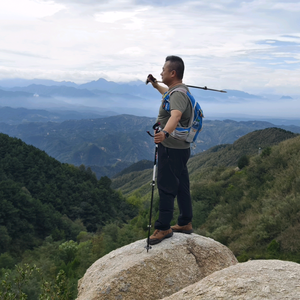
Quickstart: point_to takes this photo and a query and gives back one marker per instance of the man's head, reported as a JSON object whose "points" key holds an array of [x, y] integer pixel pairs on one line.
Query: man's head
{"points": [[176, 64], [173, 70]]}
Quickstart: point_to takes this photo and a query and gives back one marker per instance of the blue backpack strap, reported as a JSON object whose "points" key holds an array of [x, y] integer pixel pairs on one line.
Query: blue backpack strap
{"points": [[166, 101], [166, 97]]}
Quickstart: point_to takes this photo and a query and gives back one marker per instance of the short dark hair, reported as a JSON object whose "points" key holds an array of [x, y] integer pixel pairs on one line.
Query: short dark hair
{"points": [[177, 64]]}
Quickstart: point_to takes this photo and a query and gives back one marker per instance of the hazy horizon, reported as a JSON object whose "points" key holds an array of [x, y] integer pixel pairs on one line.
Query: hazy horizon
{"points": [[233, 105]]}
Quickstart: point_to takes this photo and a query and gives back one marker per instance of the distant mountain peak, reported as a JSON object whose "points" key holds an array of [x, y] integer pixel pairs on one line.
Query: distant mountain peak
{"points": [[286, 97]]}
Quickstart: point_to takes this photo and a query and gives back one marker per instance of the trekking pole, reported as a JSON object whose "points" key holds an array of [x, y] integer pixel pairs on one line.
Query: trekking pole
{"points": [[191, 86], [156, 129]]}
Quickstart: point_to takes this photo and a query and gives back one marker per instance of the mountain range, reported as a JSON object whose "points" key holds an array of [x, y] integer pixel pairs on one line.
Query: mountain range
{"points": [[13, 116], [101, 95], [137, 88], [118, 141], [103, 124]]}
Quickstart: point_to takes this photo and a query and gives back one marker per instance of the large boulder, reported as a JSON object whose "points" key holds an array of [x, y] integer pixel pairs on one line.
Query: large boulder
{"points": [[131, 272], [253, 280]]}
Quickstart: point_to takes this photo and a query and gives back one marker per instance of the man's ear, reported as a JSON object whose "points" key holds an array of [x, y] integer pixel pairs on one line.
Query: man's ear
{"points": [[173, 73]]}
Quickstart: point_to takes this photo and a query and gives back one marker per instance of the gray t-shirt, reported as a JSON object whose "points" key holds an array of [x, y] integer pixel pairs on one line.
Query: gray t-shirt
{"points": [[178, 101]]}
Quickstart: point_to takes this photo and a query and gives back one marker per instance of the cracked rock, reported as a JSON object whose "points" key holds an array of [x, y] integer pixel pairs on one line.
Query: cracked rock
{"points": [[168, 267], [253, 280]]}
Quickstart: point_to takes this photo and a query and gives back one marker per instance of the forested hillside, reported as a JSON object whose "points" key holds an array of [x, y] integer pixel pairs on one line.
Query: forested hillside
{"points": [[253, 210], [41, 198], [221, 155], [36, 191]]}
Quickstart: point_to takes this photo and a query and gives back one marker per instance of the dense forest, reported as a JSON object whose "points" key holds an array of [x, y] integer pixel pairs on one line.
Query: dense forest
{"points": [[57, 219], [254, 211], [44, 202]]}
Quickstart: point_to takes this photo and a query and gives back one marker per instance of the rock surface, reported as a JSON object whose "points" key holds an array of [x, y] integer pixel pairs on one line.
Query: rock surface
{"points": [[132, 273], [253, 280]]}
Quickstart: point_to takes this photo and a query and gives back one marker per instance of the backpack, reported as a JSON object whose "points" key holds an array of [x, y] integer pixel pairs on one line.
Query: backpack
{"points": [[190, 133]]}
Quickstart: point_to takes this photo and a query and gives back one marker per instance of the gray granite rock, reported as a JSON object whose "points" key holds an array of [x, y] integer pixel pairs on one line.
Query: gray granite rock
{"points": [[133, 273], [253, 280]]}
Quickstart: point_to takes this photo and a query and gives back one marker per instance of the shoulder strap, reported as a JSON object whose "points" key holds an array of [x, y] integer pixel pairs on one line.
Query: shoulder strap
{"points": [[184, 91]]}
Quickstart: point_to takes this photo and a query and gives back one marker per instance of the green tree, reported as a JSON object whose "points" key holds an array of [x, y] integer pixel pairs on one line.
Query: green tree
{"points": [[5, 239], [67, 251], [243, 161]]}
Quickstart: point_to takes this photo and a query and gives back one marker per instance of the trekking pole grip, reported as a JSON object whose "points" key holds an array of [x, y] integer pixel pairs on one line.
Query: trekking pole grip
{"points": [[156, 128]]}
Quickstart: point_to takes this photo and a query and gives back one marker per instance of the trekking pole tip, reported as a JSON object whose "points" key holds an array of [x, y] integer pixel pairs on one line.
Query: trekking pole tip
{"points": [[148, 247]]}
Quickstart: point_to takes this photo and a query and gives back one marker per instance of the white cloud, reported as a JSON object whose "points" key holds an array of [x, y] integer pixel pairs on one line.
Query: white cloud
{"points": [[244, 45], [113, 16], [28, 9], [288, 6]]}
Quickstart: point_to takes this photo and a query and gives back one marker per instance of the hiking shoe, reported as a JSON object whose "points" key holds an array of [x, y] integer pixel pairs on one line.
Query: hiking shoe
{"points": [[159, 235], [184, 229]]}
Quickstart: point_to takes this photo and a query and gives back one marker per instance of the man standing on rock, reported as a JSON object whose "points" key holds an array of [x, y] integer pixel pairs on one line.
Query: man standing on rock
{"points": [[173, 153]]}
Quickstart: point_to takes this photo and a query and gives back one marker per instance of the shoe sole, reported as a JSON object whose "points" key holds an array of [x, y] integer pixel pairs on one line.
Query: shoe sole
{"points": [[184, 231], [154, 242]]}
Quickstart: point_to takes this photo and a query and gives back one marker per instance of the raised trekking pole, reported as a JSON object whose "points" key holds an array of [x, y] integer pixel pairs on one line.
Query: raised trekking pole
{"points": [[191, 86], [157, 129]]}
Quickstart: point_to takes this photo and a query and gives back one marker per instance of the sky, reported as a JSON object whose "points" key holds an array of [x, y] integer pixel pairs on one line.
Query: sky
{"points": [[253, 46]]}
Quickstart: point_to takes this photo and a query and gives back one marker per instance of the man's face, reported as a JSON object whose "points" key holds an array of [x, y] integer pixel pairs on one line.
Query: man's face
{"points": [[167, 74]]}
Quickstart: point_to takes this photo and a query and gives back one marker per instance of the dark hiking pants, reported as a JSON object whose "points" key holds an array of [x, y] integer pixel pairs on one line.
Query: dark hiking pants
{"points": [[172, 181]]}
